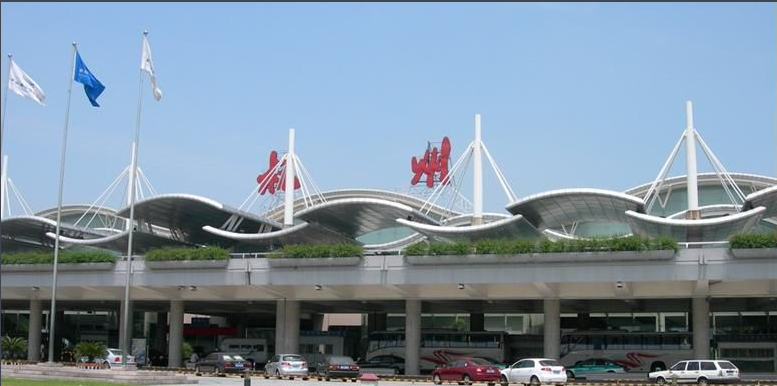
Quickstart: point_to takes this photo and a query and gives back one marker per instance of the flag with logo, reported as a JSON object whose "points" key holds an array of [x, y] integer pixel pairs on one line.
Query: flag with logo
{"points": [[21, 83], [92, 86], [147, 65]]}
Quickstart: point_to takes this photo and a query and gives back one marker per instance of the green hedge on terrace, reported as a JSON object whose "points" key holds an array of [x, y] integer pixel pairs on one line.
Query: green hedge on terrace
{"points": [[65, 257], [753, 240], [302, 251], [511, 247], [176, 254]]}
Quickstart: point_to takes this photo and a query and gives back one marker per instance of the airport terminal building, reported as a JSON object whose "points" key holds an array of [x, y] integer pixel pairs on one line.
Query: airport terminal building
{"points": [[645, 309]]}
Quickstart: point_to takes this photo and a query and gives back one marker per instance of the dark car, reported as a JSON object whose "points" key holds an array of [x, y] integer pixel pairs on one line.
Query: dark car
{"points": [[385, 362], [467, 370], [222, 362], [337, 366]]}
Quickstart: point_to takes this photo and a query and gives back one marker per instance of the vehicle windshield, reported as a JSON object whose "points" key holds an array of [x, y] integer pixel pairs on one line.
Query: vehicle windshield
{"points": [[491, 360], [481, 362], [549, 362], [293, 358], [341, 361], [678, 366], [114, 352], [727, 365]]}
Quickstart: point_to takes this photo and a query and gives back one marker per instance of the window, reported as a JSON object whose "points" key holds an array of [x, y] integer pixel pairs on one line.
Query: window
{"points": [[726, 365], [693, 366], [680, 366], [708, 366]]}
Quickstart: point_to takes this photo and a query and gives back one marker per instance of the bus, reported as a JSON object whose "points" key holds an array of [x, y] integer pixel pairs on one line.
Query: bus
{"points": [[636, 351], [439, 347]]}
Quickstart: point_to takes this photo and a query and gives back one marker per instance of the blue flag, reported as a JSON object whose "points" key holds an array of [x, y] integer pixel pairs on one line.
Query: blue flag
{"points": [[92, 86]]}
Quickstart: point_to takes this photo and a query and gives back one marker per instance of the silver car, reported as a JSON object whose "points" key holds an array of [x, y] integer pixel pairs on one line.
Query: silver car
{"points": [[287, 365]]}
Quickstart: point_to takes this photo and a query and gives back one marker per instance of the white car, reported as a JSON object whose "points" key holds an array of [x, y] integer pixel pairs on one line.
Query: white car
{"points": [[698, 371], [535, 371], [287, 365], [113, 358]]}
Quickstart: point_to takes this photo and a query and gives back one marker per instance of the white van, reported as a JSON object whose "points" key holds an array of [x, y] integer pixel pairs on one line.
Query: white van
{"points": [[253, 350]]}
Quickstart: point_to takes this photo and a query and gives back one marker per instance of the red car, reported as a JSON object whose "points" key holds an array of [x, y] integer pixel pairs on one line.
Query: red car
{"points": [[467, 370]]}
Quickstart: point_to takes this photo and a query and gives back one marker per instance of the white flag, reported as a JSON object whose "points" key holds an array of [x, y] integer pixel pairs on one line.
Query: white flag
{"points": [[147, 65], [20, 83]]}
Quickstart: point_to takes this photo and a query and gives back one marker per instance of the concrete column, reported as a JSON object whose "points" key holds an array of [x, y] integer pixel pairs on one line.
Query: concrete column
{"points": [[412, 336], [174, 353], [292, 326], [148, 318], [552, 330], [701, 328], [477, 321], [280, 330], [33, 333]]}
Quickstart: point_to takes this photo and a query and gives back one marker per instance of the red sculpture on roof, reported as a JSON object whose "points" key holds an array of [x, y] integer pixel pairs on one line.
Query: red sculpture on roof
{"points": [[432, 163], [269, 183]]}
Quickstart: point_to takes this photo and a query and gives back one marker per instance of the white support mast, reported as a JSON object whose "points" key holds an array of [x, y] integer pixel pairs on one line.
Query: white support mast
{"points": [[690, 155], [477, 173], [288, 205], [4, 187]]}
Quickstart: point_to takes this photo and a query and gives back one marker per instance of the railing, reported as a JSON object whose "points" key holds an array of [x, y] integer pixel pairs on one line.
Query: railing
{"points": [[703, 244]]}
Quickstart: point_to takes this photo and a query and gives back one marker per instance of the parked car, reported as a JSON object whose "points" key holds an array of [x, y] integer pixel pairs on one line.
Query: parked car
{"points": [[221, 362], [337, 366], [495, 362], [385, 362], [287, 365], [535, 371], [467, 370], [594, 366], [111, 358], [698, 371]]}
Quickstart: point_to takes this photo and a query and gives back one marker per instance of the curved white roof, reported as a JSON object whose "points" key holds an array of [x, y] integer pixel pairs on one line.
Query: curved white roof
{"points": [[436, 211], [705, 179], [354, 217], [297, 234], [562, 207], [142, 241], [712, 229], [31, 230], [511, 227], [188, 213], [766, 197], [708, 211]]}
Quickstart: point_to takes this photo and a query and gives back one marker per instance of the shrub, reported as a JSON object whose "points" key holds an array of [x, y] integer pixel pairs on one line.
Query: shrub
{"points": [[65, 257], [302, 251], [186, 350], [507, 247], [90, 350], [14, 346], [176, 254], [754, 240]]}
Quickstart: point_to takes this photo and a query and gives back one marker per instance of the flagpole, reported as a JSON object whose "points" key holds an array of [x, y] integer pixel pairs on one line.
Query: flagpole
{"points": [[53, 314], [2, 130], [132, 177]]}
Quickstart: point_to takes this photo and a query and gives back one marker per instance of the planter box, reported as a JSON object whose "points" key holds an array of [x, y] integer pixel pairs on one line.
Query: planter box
{"points": [[188, 264], [566, 257], [313, 262], [754, 253], [60, 267]]}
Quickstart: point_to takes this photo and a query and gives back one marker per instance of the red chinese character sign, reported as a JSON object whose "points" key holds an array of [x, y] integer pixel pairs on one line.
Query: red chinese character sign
{"points": [[276, 181], [433, 162]]}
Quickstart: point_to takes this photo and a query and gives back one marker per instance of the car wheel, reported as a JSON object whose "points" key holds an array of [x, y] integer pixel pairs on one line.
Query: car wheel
{"points": [[467, 380], [660, 381], [534, 381], [702, 381], [505, 382], [436, 379], [570, 375], [610, 372]]}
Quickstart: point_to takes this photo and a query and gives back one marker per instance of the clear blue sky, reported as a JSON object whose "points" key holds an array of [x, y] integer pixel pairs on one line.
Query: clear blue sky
{"points": [[572, 95]]}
